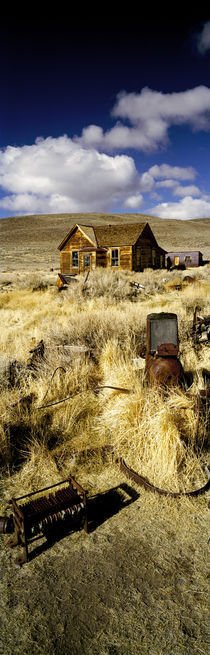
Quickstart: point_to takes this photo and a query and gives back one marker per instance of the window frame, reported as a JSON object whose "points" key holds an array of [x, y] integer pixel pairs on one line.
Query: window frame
{"points": [[114, 258], [85, 262], [75, 252]]}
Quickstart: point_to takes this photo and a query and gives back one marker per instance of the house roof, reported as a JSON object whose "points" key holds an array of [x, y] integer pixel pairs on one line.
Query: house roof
{"points": [[103, 236], [89, 232], [118, 235], [182, 252]]}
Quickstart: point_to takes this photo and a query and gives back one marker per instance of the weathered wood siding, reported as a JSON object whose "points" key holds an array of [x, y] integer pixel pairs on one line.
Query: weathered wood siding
{"points": [[159, 259], [76, 241], [142, 249], [146, 254], [101, 259], [124, 258], [65, 262]]}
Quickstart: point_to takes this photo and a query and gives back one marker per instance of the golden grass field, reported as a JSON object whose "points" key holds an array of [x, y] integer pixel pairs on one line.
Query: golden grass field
{"points": [[137, 583]]}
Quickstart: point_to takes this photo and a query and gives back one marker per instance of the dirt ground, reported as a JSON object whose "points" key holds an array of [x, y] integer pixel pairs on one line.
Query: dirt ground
{"points": [[135, 584]]}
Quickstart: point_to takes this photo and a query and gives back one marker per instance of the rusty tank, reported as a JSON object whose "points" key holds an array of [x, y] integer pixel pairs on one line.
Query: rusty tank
{"points": [[162, 365]]}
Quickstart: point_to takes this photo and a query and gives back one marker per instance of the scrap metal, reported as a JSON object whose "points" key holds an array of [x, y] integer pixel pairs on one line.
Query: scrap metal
{"points": [[47, 516], [162, 365], [143, 482], [200, 329], [94, 389]]}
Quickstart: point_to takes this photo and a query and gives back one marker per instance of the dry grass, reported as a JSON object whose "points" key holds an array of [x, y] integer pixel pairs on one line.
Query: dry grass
{"points": [[147, 428], [157, 435]]}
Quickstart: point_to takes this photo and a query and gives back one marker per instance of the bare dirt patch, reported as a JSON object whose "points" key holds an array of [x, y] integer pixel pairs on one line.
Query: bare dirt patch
{"points": [[135, 584]]}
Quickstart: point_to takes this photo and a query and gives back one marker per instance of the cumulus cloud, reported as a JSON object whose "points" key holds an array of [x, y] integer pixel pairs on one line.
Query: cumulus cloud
{"points": [[134, 202], [146, 182], [150, 114], [168, 184], [172, 172], [187, 208], [58, 175], [203, 39], [187, 190]]}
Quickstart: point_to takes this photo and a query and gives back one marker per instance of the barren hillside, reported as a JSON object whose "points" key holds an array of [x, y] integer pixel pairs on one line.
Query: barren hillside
{"points": [[32, 241]]}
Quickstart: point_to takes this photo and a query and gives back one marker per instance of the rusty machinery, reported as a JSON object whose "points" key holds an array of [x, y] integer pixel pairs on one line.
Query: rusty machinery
{"points": [[162, 346], [65, 510], [45, 515]]}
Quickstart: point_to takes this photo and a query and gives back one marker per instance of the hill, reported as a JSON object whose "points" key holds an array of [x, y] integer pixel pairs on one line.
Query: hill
{"points": [[29, 242]]}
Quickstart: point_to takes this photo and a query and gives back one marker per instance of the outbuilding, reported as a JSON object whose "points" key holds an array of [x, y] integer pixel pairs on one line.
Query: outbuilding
{"points": [[187, 258], [128, 246]]}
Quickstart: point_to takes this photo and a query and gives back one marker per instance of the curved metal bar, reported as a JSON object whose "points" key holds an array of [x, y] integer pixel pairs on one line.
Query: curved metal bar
{"points": [[140, 480], [56, 369]]}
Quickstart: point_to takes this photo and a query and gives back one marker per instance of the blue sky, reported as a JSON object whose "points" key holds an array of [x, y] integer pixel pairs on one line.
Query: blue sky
{"points": [[112, 115]]}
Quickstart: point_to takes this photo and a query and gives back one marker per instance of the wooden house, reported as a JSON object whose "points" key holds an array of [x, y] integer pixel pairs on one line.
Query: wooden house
{"points": [[188, 258], [131, 247]]}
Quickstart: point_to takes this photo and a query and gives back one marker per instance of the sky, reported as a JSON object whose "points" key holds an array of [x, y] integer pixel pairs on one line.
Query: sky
{"points": [[105, 114]]}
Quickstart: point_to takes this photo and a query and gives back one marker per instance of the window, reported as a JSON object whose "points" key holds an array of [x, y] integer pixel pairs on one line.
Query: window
{"points": [[87, 260], [75, 259], [115, 257], [153, 257], [188, 259]]}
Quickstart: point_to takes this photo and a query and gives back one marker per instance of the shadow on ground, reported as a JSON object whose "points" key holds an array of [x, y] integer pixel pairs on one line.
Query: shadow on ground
{"points": [[100, 508]]}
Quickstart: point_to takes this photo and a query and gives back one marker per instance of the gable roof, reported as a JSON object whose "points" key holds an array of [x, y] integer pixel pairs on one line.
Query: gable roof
{"points": [[118, 235], [111, 236], [87, 230]]}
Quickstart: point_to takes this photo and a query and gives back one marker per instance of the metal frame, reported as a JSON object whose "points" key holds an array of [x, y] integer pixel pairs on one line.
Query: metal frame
{"points": [[166, 348], [35, 516]]}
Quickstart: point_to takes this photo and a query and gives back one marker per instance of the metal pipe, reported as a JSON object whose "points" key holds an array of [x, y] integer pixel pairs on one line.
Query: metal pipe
{"points": [[6, 524]]}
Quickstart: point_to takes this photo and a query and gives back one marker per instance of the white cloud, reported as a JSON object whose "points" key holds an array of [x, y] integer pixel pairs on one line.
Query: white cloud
{"points": [[187, 208], [58, 175], [188, 190], [172, 172], [203, 39], [168, 184], [150, 114], [134, 202], [146, 182]]}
